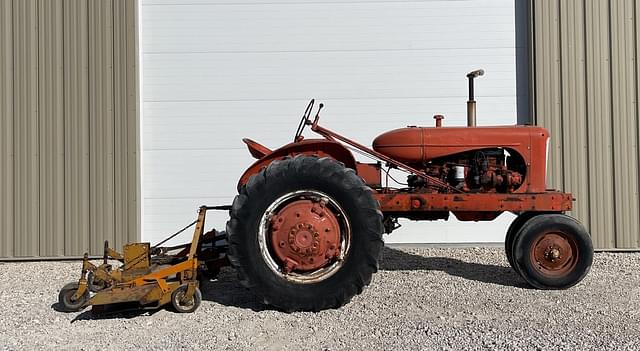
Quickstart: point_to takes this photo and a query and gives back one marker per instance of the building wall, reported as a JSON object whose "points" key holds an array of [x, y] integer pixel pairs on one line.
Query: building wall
{"points": [[585, 90], [68, 126], [215, 71]]}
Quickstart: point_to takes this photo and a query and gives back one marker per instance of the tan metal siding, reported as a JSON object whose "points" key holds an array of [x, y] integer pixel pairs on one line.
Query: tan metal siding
{"points": [[126, 135], [598, 123], [6, 129], [624, 123], [548, 54], [574, 111], [25, 128], [101, 121], [50, 129], [76, 126], [69, 126]]}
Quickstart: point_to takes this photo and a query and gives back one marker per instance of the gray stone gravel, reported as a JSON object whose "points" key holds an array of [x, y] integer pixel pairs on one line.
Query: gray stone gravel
{"points": [[422, 299]]}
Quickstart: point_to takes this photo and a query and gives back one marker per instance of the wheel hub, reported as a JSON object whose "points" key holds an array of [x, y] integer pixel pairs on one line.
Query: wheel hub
{"points": [[555, 253], [305, 235]]}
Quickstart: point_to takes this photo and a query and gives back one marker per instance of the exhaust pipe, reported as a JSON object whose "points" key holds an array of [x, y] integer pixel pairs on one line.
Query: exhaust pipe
{"points": [[471, 103]]}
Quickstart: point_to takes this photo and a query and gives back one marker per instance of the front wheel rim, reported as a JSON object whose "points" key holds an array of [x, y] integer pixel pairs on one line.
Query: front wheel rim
{"points": [[555, 254], [307, 235]]}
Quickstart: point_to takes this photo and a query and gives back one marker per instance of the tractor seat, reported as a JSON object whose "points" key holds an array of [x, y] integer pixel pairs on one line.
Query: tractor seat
{"points": [[256, 149]]}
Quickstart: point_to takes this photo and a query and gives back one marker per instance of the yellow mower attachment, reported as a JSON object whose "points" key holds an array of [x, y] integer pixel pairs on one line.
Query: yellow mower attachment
{"points": [[150, 276]]}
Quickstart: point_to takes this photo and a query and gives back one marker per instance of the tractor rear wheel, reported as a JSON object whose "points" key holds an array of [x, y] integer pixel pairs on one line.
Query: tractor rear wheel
{"points": [[552, 251], [305, 234]]}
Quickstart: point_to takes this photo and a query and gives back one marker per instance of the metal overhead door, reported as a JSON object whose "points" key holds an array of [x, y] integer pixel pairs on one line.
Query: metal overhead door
{"points": [[216, 71]]}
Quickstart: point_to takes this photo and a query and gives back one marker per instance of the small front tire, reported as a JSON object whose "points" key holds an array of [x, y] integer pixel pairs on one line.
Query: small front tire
{"points": [[553, 251], [512, 233]]}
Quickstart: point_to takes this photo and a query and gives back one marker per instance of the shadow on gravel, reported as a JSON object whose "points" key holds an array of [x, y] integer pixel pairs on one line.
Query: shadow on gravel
{"points": [[397, 260], [227, 291], [118, 311]]}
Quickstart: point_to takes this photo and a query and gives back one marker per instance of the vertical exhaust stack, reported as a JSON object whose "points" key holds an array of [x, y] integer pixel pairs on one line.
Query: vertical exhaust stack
{"points": [[471, 103]]}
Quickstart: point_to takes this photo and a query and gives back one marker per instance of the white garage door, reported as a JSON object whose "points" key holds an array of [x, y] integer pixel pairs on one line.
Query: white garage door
{"points": [[216, 71]]}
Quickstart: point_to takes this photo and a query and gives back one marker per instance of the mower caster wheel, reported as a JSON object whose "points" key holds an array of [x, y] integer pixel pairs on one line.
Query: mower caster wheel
{"points": [[188, 306], [66, 302]]}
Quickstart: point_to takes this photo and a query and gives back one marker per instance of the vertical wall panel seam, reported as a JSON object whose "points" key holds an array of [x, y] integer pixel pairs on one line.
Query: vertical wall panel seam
{"points": [[637, 93], [611, 110], [561, 96], [64, 134], [13, 122], [533, 102], [586, 110], [37, 98], [89, 139], [113, 107], [13, 131]]}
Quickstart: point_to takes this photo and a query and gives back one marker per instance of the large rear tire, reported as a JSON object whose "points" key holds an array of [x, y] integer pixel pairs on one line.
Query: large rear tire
{"points": [[553, 251], [305, 234]]}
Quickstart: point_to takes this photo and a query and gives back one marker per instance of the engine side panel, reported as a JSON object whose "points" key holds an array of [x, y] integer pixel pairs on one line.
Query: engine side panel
{"points": [[419, 146]]}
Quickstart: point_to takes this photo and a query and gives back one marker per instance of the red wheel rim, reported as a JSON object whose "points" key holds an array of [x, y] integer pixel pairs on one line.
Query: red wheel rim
{"points": [[554, 254], [305, 235]]}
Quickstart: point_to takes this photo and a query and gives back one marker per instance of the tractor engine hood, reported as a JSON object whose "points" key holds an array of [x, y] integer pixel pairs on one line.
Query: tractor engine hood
{"points": [[423, 144]]}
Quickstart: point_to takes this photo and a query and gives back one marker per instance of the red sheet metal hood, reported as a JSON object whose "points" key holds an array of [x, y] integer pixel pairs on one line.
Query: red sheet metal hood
{"points": [[422, 144]]}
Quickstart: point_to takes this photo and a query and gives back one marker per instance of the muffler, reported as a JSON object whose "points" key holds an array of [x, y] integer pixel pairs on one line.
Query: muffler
{"points": [[471, 103]]}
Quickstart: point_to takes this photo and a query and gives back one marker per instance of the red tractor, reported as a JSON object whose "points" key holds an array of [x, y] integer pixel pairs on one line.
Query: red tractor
{"points": [[306, 228]]}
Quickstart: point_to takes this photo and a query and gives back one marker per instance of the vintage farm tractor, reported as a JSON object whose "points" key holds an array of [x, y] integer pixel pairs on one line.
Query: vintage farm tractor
{"points": [[305, 230]]}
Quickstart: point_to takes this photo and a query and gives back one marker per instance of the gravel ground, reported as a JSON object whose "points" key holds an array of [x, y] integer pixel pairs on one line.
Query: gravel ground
{"points": [[421, 299]]}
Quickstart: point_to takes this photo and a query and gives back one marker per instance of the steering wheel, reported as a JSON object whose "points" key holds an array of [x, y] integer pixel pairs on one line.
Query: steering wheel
{"points": [[303, 121]]}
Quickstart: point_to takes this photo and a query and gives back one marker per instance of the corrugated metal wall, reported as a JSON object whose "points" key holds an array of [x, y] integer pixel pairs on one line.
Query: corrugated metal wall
{"points": [[585, 90], [68, 126]]}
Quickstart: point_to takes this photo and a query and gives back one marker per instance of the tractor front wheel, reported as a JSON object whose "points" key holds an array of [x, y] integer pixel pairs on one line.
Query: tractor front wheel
{"points": [[552, 251], [512, 233], [305, 234]]}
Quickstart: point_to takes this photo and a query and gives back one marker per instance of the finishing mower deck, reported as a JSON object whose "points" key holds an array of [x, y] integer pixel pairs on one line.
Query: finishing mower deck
{"points": [[151, 277]]}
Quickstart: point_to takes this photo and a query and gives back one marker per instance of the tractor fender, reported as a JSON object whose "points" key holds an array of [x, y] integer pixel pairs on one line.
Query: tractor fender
{"points": [[315, 147]]}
